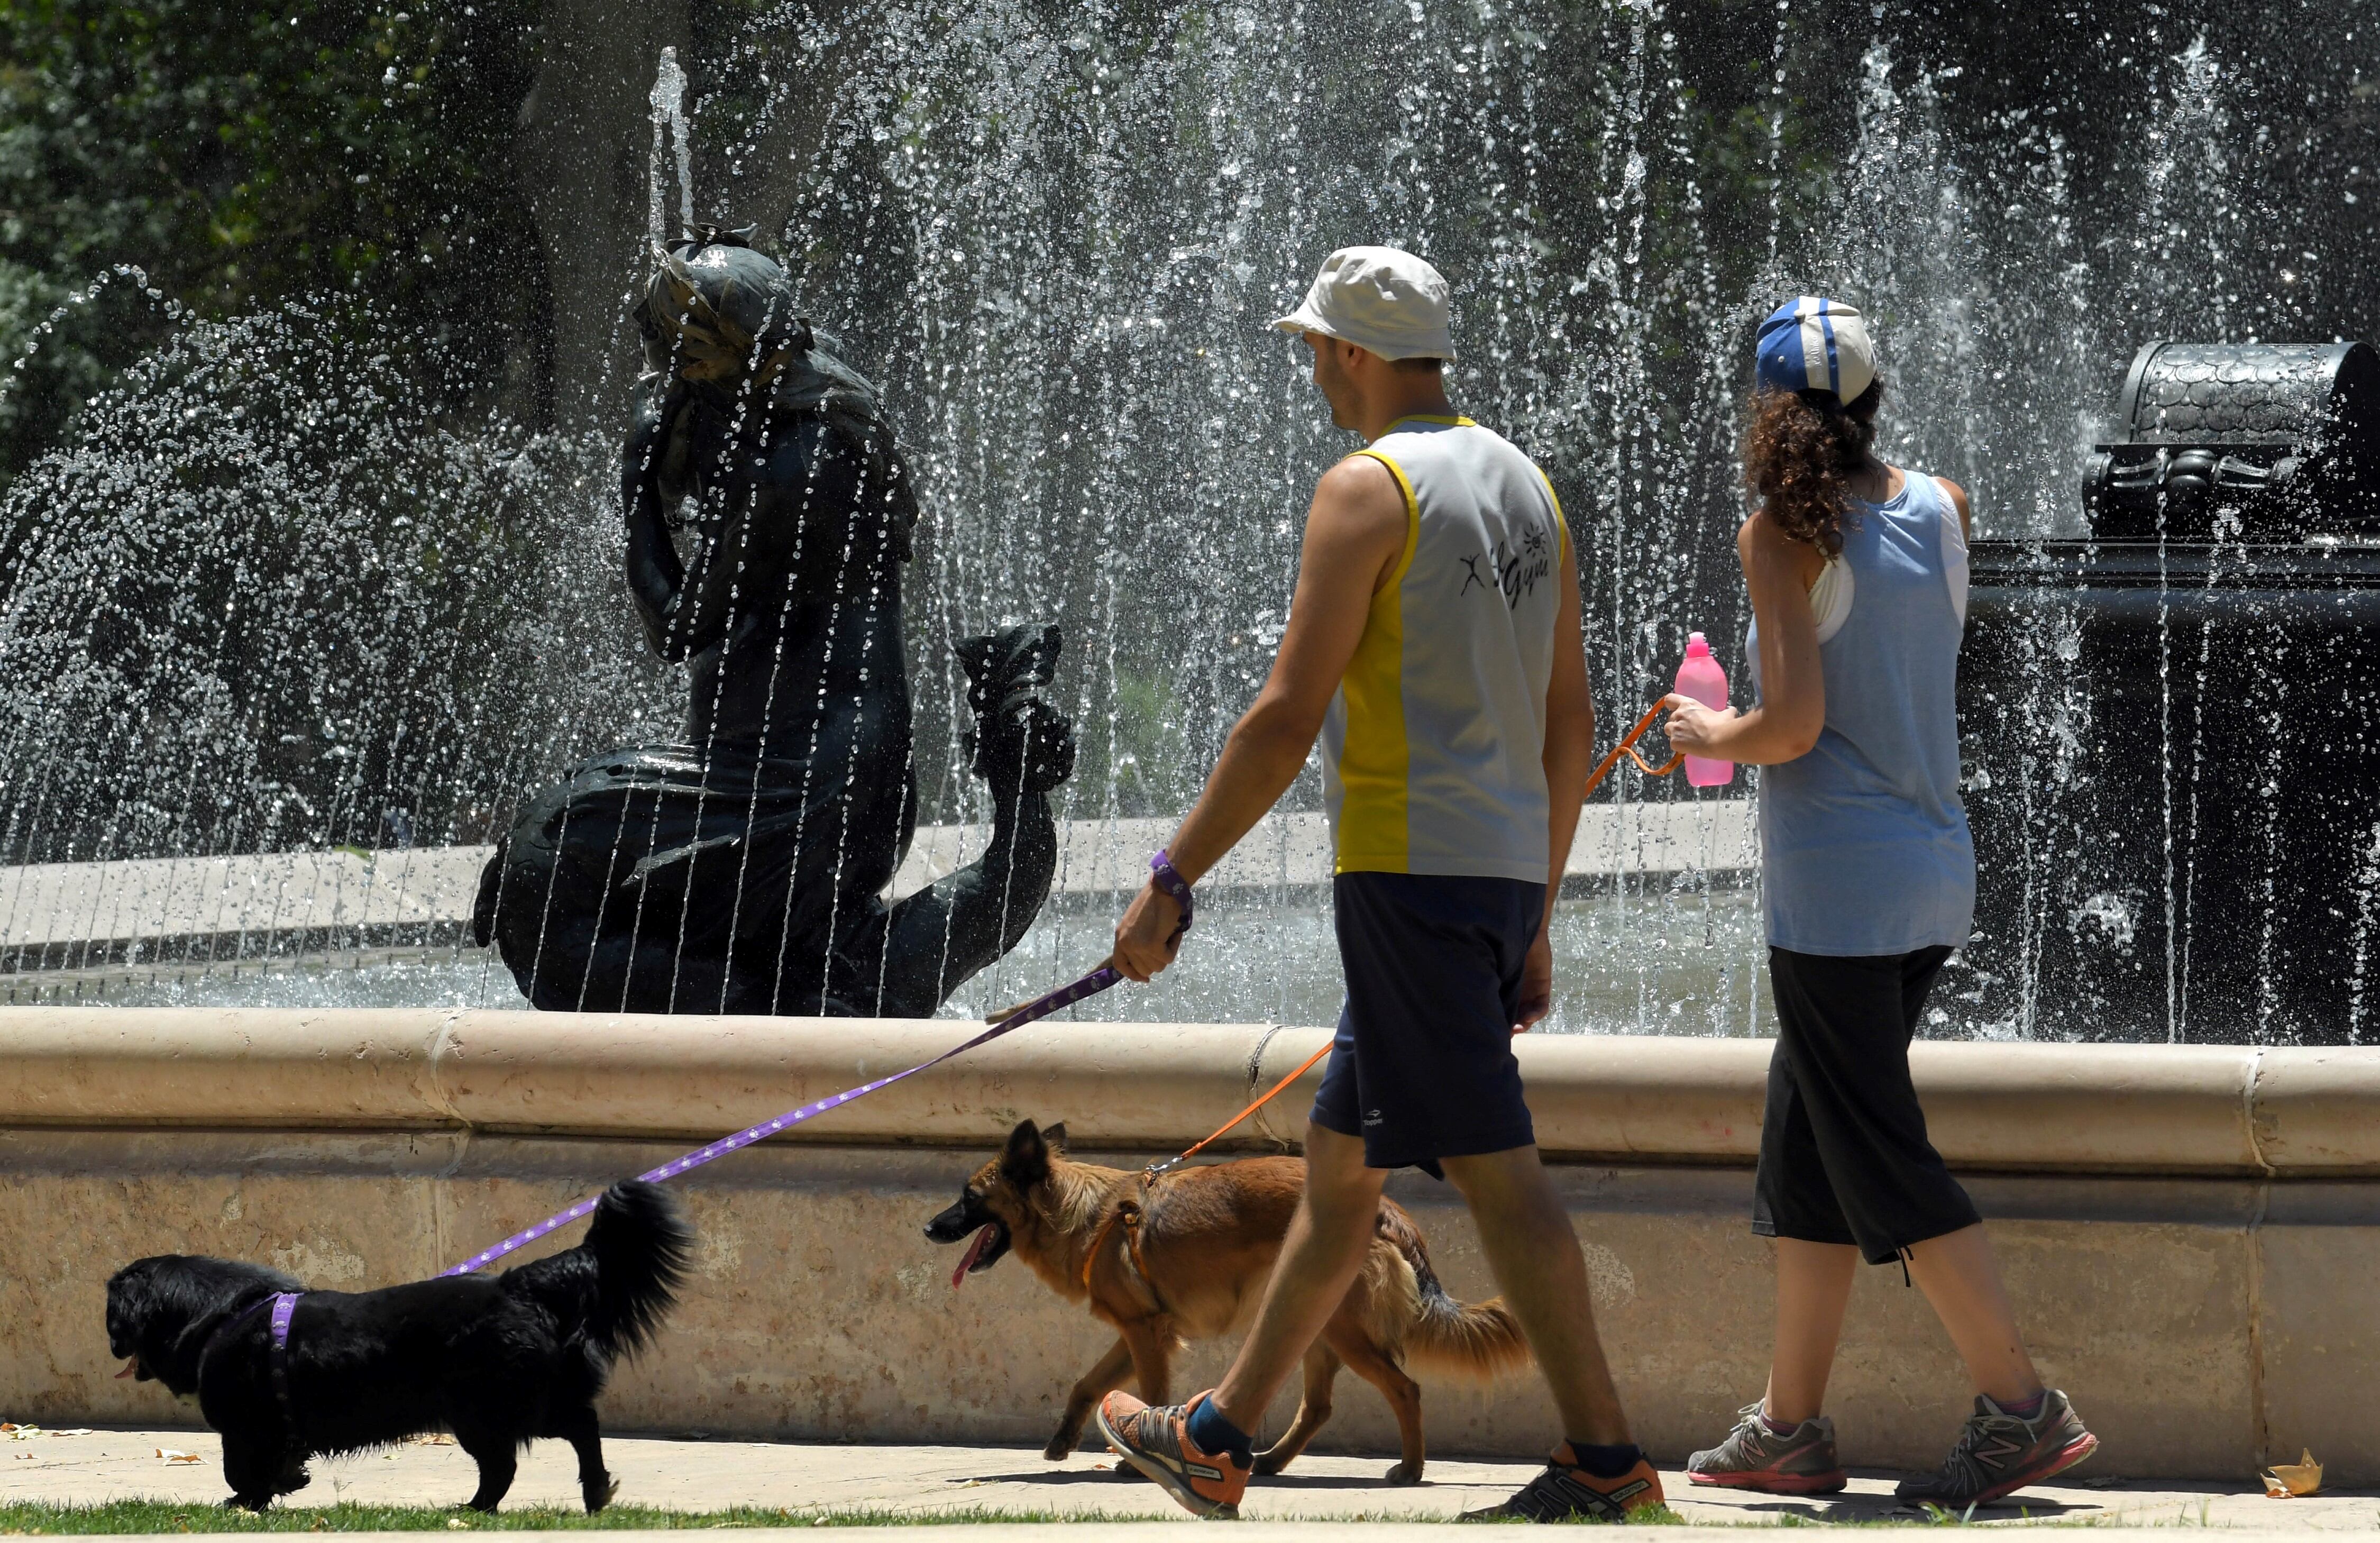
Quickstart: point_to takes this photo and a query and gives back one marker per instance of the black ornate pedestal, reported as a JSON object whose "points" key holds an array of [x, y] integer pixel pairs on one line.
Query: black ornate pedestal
{"points": [[2172, 730]]}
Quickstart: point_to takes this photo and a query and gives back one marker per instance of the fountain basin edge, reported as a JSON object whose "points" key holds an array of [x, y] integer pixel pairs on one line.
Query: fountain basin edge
{"points": [[2199, 1214]]}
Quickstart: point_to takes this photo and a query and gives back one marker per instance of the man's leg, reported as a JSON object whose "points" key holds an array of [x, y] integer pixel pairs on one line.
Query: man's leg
{"points": [[1525, 1233], [1597, 1474], [1202, 1453], [1325, 1246]]}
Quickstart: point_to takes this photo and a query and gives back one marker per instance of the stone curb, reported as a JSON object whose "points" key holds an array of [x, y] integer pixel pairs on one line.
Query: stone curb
{"points": [[2214, 1111]]}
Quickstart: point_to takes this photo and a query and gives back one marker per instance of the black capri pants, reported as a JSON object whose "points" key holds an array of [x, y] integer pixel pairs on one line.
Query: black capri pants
{"points": [[1844, 1152]]}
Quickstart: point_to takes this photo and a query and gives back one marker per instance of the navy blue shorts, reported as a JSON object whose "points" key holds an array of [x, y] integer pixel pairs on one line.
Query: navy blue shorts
{"points": [[1422, 1067]]}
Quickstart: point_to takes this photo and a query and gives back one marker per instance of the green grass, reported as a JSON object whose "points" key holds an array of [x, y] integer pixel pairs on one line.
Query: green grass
{"points": [[35, 1520], [38, 1520]]}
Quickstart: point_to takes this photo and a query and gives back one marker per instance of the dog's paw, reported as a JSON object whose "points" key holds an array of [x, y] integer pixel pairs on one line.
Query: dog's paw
{"points": [[597, 1500], [248, 1503], [1404, 1474], [1062, 1446]]}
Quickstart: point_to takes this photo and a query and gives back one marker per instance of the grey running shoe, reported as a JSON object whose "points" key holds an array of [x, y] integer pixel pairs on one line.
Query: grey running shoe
{"points": [[1755, 1457], [1998, 1453]]}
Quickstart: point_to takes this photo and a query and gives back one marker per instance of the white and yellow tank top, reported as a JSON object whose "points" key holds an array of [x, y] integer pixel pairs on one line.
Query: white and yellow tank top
{"points": [[1433, 751]]}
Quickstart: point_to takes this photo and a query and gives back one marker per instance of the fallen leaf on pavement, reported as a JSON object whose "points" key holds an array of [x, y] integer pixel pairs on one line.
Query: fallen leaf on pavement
{"points": [[173, 1455], [2286, 1480]]}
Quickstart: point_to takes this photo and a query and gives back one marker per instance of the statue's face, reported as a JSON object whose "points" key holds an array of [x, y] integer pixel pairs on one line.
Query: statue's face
{"points": [[715, 314]]}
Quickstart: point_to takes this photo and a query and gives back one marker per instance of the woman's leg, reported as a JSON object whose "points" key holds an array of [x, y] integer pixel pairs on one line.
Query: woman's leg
{"points": [[1960, 1277], [1813, 1285], [1791, 1450], [1959, 1272], [1795, 1202]]}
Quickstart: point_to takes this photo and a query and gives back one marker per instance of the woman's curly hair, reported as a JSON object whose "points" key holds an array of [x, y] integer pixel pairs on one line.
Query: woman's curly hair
{"points": [[1799, 456]]}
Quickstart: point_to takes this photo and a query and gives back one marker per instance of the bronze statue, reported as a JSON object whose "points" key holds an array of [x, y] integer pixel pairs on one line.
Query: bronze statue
{"points": [[742, 871]]}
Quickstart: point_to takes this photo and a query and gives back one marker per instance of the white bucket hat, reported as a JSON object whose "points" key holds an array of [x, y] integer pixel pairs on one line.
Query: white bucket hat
{"points": [[1379, 299]]}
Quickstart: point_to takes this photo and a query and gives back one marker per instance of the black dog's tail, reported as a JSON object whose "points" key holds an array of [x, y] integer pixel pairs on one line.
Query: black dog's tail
{"points": [[641, 1244], [615, 1288]]}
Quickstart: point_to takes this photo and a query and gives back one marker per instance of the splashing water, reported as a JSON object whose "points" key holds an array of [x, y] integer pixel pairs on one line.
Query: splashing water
{"points": [[269, 597], [670, 125]]}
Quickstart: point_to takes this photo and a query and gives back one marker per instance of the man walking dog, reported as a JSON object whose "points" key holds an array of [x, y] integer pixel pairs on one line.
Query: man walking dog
{"points": [[1434, 644]]}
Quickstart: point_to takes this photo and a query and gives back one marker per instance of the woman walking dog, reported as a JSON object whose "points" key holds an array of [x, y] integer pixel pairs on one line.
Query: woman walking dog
{"points": [[1858, 575]]}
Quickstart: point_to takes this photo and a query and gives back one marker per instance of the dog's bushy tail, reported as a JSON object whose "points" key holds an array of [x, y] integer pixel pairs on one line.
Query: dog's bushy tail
{"points": [[1466, 1339], [641, 1244], [613, 1289]]}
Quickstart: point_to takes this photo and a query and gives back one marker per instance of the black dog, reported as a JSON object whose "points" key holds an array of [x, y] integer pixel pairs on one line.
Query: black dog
{"points": [[498, 1360]]}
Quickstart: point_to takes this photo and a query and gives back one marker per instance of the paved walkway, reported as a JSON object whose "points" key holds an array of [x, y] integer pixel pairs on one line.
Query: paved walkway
{"points": [[920, 1481]]}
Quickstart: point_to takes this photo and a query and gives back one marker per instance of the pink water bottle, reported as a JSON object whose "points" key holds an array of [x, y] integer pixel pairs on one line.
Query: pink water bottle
{"points": [[1701, 678]]}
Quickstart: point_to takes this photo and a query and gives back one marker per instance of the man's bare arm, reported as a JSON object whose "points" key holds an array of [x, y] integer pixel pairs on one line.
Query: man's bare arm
{"points": [[1569, 756], [1355, 537]]}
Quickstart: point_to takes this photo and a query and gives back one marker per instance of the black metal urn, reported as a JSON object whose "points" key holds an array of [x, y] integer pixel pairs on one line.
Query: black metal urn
{"points": [[2171, 729]]}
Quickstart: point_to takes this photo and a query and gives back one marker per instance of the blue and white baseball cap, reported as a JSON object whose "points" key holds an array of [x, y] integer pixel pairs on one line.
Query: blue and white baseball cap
{"points": [[1813, 343]]}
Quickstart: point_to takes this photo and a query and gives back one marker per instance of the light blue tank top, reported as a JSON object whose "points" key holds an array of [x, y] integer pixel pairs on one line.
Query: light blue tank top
{"points": [[1863, 841]]}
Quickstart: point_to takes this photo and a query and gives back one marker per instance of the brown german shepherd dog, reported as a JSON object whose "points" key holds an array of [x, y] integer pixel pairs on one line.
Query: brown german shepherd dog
{"points": [[1187, 1257]]}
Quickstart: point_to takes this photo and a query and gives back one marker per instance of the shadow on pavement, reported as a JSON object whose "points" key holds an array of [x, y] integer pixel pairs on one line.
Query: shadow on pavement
{"points": [[1060, 1475], [1878, 1508]]}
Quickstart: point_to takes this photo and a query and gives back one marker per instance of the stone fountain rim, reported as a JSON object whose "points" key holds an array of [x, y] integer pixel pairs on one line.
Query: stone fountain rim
{"points": [[2173, 1111]]}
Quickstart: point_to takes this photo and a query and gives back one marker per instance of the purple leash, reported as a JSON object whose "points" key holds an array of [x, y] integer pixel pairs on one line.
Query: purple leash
{"points": [[1166, 879]]}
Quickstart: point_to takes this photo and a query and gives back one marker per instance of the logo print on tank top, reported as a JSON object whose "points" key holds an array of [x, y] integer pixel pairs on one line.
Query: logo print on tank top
{"points": [[1515, 573]]}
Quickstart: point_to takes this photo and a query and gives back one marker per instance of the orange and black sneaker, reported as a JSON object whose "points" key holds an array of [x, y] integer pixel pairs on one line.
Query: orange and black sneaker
{"points": [[1566, 1492], [1156, 1442]]}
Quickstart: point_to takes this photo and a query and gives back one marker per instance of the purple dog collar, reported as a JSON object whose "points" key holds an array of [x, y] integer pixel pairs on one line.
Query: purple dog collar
{"points": [[1162, 873], [284, 1304]]}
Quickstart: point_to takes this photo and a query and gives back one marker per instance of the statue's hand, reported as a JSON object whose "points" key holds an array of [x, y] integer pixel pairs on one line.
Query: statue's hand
{"points": [[1020, 741], [1031, 751]]}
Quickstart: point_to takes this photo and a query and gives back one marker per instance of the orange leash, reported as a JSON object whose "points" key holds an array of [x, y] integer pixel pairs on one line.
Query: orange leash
{"points": [[1129, 1213], [1158, 1170], [1628, 746]]}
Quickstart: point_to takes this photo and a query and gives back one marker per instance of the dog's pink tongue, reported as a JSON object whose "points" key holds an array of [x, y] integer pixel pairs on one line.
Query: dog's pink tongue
{"points": [[974, 1251], [130, 1368]]}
